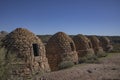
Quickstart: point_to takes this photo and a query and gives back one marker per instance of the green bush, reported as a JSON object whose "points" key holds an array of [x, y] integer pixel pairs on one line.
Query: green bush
{"points": [[93, 59], [89, 59], [102, 55], [89, 54], [65, 64]]}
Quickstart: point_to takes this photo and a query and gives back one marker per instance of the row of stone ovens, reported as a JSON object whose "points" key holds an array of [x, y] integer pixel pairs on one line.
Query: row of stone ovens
{"points": [[60, 47], [31, 56]]}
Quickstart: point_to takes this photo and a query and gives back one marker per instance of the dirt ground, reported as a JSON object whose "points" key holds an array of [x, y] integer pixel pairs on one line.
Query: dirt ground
{"points": [[107, 69]]}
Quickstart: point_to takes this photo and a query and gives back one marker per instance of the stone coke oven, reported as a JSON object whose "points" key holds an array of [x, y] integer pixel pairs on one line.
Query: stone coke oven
{"points": [[106, 44], [96, 45], [83, 46], [29, 53], [60, 47]]}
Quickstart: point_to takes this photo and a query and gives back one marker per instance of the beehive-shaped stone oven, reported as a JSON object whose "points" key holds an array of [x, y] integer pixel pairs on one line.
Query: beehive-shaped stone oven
{"points": [[96, 45], [83, 46], [105, 43], [60, 47], [28, 50]]}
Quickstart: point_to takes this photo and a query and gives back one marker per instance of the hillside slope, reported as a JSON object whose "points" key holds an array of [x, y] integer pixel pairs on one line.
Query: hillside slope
{"points": [[107, 69]]}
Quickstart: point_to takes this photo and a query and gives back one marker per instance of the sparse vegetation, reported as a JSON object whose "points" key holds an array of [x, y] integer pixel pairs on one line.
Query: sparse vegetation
{"points": [[108, 69], [66, 64], [102, 55], [92, 59], [116, 48], [89, 59]]}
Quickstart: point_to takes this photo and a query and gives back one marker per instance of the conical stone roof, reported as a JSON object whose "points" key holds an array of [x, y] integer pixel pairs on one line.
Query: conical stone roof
{"points": [[60, 47], [82, 42], [96, 45], [20, 39], [95, 41], [83, 46], [105, 43], [29, 50]]}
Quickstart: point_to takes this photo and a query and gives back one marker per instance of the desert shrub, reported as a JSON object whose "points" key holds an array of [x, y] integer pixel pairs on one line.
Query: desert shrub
{"points": [[65, 64], [102, 54], [90, 57], [116, 48]]}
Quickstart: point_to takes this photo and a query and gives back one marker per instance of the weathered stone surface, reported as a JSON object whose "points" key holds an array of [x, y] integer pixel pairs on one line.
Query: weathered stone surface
{"points": [[96, 45], [20, 43], [83, 46], [105, 43], [60, 47]]}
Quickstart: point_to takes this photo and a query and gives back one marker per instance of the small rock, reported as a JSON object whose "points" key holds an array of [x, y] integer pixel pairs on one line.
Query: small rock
{"points": [[113, 69], [89, 71], [94, 68]]}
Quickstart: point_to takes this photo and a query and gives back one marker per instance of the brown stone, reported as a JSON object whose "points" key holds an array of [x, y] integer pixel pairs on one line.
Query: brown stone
{"points": [[28, 49], [60, 47], [83, 46], [105, 43], [96, 45]]}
